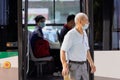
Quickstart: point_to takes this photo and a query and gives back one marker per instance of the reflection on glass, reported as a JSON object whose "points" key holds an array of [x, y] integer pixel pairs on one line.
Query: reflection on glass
{"points": [[116, 26], [116, 14], [40, 7], [115, 42], [54, 12], [32, 12], [65, 7]]}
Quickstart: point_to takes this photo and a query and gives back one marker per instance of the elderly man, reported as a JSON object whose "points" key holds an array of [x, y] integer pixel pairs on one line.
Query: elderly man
{"points": [[75, 50]]}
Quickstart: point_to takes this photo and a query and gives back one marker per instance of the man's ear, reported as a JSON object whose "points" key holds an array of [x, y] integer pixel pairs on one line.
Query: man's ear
{"points": [[81, 22]]}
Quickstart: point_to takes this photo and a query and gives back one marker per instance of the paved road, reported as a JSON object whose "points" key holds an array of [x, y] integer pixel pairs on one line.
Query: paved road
{"points": [[12, 74], [104, 78]]}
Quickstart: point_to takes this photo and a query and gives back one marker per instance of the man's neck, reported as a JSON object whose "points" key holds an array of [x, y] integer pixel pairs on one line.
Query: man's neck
{"points": [[79, 29]]}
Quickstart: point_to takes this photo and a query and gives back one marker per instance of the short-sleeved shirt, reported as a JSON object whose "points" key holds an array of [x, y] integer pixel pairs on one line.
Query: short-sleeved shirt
{"points": [[75, 45]]}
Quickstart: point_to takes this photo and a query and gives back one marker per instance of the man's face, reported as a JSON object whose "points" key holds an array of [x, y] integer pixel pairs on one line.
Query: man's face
{"points": [[72, 23], [84, 21], [42, 23]]}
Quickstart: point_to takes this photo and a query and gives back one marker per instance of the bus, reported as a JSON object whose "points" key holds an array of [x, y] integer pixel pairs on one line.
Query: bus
{"points": [[17, 18]]}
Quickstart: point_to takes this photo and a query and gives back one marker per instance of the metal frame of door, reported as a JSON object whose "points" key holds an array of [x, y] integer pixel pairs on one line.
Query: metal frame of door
{"points": [[22, 41]]}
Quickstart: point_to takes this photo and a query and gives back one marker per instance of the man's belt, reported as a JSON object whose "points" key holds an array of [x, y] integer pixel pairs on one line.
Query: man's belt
{"points": [[77, 62]]}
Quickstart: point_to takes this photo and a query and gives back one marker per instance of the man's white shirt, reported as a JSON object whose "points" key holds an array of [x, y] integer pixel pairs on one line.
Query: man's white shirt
{"points": [[75, 45]]}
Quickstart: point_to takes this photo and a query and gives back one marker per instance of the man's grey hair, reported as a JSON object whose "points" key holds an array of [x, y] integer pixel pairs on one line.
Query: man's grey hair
{"points": [[80, 16]]}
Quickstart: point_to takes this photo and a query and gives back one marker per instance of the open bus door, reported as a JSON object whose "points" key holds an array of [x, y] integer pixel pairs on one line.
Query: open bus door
{"points": [[85, 6]]}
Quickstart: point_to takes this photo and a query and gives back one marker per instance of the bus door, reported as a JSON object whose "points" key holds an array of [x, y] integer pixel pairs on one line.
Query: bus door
{"points": [[55, 13]]}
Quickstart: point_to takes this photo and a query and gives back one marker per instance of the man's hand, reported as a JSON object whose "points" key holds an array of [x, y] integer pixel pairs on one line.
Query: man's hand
{"points": [[93, 68], [65, 69], [64, 62]]}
